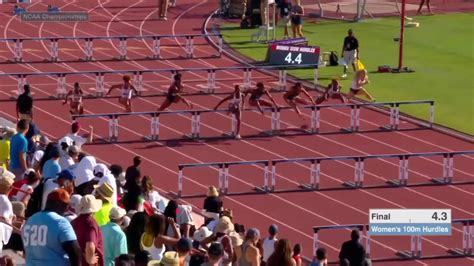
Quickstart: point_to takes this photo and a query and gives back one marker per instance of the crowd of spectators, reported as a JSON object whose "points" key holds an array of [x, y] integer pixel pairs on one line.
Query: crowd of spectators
{"points": [[59, 206]]}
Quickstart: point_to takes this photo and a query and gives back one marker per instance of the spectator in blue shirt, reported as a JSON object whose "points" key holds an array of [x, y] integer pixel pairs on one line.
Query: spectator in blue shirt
{"points": [[18, 150], [48, 237], [51, 168], [115, 241]]}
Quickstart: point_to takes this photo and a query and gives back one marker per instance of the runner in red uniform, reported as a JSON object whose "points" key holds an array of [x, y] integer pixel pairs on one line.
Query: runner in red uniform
{"points": [[74, 97], [174, 94], [293, 99]]}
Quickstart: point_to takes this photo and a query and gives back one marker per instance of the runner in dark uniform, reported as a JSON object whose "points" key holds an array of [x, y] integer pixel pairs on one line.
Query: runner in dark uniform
{"points": [[256, 95], [173, 95], [333, 91], [293, 99]]}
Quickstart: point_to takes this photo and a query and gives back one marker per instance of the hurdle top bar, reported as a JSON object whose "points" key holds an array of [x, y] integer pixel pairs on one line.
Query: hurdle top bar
{"points": [[141, 71], [375, 156], [316, 229], [220, 164], [190, 35], [199, 111]]}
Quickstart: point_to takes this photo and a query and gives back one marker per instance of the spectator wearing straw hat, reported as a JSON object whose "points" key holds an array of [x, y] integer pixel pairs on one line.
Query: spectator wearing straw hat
{"points": [[48, 237], [170, 258], [104, 193], [64, 180], [24, 104], [5, 138], [212, 204], [88, 231], [115, 241], [223, 228], [104, 176], [19, 150]]}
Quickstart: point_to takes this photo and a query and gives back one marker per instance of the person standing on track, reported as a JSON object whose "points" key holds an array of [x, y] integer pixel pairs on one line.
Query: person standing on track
{"points": [[235, 107], [292, 97], [256, 95], [333, 91], [75, 101], [163, 9], [127, 89], [360, 79], [350, 51], [174, 94], [297, 11], [422, 2], [24, 104], [285, 7]]}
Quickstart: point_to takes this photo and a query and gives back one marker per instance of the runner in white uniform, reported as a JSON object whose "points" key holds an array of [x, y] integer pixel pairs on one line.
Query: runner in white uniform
{"points": [[236, 106], [127, 90], [360, 79], [74, 97]]}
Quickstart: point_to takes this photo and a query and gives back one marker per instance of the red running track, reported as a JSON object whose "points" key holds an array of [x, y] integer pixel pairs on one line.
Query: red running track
{"points": [[295, 213]]}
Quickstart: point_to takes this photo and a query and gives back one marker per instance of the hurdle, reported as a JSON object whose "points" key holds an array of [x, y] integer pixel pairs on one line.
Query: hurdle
{"points": [[209, 87], [361, 227], [315, 171], [467, 238], [54, 43], [223, 176]]}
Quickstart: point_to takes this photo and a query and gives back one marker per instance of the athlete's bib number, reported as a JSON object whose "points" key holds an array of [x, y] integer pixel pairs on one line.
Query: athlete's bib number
{"points": [[34, 235]]}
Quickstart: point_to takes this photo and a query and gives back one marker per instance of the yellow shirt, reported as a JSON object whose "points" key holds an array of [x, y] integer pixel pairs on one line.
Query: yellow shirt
{"points": [[4, 152], [102, 216]]}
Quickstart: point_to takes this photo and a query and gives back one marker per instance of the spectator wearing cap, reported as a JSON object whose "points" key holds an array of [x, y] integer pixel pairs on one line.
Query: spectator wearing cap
{"points": [[132, 185], [104, 193], [84, 172], [269, 242], [48, 237], [115, 241], [184, 247], [76, 138], [51, 167], [248, 253], [19, 150], [24, 104], [64, 180], [31, 181], [72, 210], [199, 236], [320, 259], [104, 176], [215, 254], [88, 231], [212, 203], [5, 137], [353, 251], [154, 238]]}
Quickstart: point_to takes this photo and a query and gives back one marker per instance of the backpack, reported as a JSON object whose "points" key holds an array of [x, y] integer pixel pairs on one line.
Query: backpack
{"points": [[34, 204], [333, 59]]}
